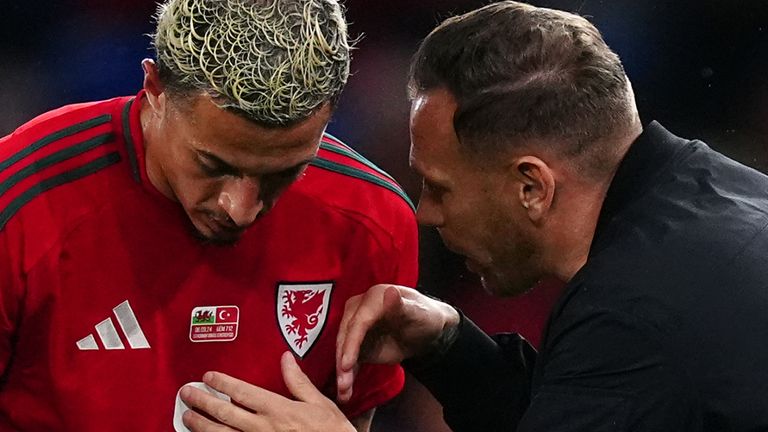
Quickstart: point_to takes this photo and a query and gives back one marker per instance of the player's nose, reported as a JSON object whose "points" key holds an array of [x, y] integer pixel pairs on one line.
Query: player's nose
{"points": [[241, 201]]}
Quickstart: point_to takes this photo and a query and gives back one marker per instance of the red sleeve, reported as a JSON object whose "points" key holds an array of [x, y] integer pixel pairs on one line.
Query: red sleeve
{"points": [[377, 384], [10, 287], [10, 274]]}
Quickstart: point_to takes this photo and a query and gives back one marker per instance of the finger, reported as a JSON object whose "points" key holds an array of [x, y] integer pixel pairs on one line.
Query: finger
{"points": [[298, 383], [381, 302], [381, 343], [224, 412], [392, 302], [198, 423], [248, 395], [344, 384], [348, 347], [350, 308], [367, 314], [345, 377]]}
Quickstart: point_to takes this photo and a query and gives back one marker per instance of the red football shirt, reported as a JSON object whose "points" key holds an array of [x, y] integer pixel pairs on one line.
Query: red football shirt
{"points": [[108, 304]]}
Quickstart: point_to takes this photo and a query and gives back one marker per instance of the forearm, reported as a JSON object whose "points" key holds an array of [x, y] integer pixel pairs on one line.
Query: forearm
{"points": [[481, 385]]}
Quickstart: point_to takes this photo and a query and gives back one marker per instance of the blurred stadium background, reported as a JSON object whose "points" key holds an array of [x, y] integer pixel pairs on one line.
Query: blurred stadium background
{"points": [[699, 67]]}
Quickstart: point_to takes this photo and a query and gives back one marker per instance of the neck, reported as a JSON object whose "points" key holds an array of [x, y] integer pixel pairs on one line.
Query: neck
{"points": [[580, 209], [145, 113], [574, 228], [149, 130]]}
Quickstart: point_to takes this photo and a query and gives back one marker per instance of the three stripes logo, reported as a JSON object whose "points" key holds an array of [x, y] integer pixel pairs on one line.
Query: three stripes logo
{"points": [[109, 336]]}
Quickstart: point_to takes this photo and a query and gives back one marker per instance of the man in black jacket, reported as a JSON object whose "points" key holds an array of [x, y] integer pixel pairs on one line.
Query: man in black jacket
{"points": [[535, 164]]}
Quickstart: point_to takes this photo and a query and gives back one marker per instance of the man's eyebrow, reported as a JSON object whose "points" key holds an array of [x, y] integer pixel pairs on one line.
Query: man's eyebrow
{"points": [[227, 166], [297, 167], [426, 177], [429, 178], [217, 160]]}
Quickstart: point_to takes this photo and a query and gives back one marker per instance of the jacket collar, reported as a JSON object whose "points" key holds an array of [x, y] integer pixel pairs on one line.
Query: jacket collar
{"points": [[647, 157]]}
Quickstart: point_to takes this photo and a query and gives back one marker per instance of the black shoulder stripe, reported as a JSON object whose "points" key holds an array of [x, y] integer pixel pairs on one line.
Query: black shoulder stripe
{"points": [[55, 136], [53, 159], [344, 149], [129, 144], [58, 180], [348, 152], [362, 175]]}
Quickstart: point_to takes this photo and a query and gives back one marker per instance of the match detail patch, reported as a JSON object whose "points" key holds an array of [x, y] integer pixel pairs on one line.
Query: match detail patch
{"points": [[214, 323]]}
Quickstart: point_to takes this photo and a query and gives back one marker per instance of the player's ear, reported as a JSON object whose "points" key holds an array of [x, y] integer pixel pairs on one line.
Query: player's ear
{"points": [[152, 85], [536, 186]]}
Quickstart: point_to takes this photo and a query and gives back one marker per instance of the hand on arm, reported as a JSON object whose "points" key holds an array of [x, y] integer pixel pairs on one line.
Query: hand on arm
{"points": [[254, 409], [386, 325]]}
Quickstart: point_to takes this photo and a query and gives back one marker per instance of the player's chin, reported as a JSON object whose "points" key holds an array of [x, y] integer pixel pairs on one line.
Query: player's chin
{"points": [[500, 284], [224, 240]]}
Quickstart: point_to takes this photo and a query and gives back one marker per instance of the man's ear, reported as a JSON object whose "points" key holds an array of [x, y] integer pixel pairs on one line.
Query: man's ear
{"points": [[537, 184], [154, 89]]}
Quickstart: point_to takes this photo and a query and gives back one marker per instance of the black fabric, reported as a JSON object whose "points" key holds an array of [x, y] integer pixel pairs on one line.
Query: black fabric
{"points": [[498, 369], [664, 328]]}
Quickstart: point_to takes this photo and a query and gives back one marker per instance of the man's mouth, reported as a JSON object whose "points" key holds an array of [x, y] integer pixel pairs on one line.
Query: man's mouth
{"points": [[222, 227]]}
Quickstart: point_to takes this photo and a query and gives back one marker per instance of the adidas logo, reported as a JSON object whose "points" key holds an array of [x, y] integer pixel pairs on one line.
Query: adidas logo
{"points": [[109, 336]]}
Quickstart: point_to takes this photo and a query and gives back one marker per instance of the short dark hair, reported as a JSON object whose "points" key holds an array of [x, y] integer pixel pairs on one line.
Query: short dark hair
{"points": [[519, 72]]}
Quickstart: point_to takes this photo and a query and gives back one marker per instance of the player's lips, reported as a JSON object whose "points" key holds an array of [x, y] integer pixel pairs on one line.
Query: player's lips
{"points": [[218, 227]]}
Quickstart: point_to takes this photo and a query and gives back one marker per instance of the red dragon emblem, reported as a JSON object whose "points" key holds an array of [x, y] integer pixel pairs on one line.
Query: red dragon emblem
{"points": [[302, 308], [203, 317]]}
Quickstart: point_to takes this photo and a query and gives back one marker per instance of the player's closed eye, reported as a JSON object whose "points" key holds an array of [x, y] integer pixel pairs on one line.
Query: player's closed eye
{"points": [[279, 180], [214, 168], [432, 191]]}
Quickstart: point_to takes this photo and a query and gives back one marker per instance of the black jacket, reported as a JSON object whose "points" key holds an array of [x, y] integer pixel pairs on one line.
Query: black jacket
{"points": [[664, 329]]}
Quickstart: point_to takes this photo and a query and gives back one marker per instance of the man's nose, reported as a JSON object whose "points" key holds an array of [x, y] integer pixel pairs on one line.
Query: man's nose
{"points": [[240, 199], [428, 213]]}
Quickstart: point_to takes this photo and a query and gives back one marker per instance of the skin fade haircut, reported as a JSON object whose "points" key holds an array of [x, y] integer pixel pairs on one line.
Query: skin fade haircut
{"points": [[274, 62], [551, 78]]}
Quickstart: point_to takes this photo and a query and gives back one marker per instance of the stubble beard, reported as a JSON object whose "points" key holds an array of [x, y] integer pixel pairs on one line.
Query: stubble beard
{"points": [[500, 285], [514, 271]]}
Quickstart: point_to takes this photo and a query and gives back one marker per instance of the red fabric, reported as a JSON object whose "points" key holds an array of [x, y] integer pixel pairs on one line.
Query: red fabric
{"points": [[526, 314], [73, 253]]}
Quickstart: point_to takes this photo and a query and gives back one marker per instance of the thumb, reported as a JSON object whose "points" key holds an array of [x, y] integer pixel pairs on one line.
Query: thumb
{"points": [[297, 381]]}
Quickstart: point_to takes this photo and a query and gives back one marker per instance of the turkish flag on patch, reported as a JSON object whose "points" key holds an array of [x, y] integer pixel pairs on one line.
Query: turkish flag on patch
{"points": [[227, 314]]}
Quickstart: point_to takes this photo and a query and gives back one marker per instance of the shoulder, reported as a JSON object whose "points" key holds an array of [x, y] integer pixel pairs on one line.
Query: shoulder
{"points": [[703, 190], [60, 166], [344, 182], [698, 227]]}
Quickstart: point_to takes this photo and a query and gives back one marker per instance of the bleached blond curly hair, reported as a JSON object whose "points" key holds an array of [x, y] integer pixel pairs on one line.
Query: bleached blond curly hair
{"points": [[273, 61]]}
